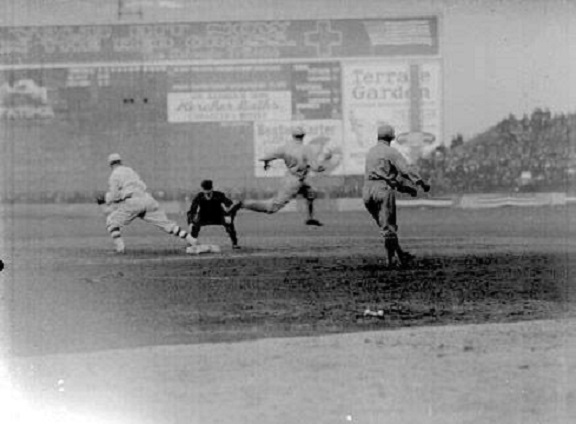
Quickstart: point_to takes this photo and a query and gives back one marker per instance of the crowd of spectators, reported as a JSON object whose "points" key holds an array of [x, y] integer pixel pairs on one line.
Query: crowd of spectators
{"points": [[534, 153]]}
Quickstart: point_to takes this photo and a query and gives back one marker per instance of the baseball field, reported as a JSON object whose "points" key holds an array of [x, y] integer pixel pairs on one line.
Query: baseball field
{"points": [[479, 328]]}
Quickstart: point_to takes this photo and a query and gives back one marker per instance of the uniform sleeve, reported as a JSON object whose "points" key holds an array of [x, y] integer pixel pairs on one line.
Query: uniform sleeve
{"points": [[315, 161], [114, 187], [273, 155], [381, 169], [194, 207], [405, 169]]}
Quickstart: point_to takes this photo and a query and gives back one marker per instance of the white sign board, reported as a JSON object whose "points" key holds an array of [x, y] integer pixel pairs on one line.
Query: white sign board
{"points": [[216, 106]]}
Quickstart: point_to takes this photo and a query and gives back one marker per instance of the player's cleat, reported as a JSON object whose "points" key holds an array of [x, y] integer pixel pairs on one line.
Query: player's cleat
{"points": [[391, 248], [314, 222], [236, 247]]}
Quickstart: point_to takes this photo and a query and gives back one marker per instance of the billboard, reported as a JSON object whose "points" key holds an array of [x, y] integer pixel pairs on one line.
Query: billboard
{"points": [[403, 94], [218, 95], [209, 106], [206, 41]]}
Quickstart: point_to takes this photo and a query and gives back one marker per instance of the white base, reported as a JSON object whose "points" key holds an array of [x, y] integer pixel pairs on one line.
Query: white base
{"points": [[202, 248]]}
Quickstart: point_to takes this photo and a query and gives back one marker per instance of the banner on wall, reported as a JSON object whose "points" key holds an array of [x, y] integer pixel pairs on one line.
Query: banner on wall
{"points": [[322, 135], [24, 97], [404, 95], [229, 106], [314, 87], [233, 40]]}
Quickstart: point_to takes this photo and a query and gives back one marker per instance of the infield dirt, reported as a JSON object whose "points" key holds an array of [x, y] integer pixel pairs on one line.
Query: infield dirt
{"points": [[65, 293]]}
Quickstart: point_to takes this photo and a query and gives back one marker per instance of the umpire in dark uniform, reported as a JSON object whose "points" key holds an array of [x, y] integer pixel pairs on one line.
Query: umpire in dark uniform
{"points": [[210, 207]]}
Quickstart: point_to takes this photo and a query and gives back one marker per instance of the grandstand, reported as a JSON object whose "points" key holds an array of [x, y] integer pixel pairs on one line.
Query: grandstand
{"points": [[535, 153]]}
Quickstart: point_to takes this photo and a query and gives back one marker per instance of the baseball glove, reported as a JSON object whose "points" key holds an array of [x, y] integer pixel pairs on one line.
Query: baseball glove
{"points": [[407, 190], [402, 185], [425, 186]]}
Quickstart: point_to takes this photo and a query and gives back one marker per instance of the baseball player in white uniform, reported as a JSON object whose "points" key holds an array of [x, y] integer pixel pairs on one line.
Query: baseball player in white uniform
{"points": [[299, 160], [386, 172], [127, 199]]}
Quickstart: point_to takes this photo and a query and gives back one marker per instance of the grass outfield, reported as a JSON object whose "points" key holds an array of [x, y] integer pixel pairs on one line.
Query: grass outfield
{"points": [[66, 292]]}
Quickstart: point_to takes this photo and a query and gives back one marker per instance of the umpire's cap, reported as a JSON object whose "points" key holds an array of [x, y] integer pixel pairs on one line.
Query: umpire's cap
{"points": [[298, 131], [206, 185], [114, 157], [386, 131]]}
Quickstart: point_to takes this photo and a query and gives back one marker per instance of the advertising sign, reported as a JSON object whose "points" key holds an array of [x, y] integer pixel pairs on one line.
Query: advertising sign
{"points": [[401, 94], [229, 106]]}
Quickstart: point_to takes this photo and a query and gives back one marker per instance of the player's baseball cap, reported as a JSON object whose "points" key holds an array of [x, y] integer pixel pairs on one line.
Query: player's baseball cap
{"points": [[114, 157], [206, 185], [298, 131], [386, 131]]}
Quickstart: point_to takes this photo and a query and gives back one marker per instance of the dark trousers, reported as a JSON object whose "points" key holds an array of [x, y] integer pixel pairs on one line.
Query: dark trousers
{"points": [[230, 229]]}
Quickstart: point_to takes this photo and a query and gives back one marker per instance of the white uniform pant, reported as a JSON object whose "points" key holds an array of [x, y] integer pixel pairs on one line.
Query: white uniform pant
{"points": [[142, 206], [291, 187]]}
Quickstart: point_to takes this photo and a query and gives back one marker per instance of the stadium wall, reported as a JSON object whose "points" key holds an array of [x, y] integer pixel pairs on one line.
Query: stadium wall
{"points": [[72, 100], [185, 95]]}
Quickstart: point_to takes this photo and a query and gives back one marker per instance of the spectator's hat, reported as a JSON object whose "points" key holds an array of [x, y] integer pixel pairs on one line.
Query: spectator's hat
{"points": [[206, 185], [386, 130], [114, 157], [298, 131]]}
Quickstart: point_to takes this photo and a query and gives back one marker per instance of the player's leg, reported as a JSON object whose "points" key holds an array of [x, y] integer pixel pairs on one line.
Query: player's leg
{"points": [[310, 196], [195, 228], [372, 203], [285, 194], [387, 214], [380, 205], [115, 221], [231, 230], [380, 201], [157, 217], [402, 255], [389, 225]]}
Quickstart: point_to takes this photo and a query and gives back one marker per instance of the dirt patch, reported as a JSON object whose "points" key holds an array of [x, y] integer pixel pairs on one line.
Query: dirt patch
{"points": [[178, 300]]}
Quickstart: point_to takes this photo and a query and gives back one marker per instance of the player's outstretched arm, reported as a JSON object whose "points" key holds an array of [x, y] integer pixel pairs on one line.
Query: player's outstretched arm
{"points": [[407, 171], [272, 156], [266, 165]]}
